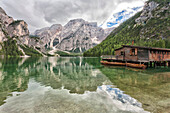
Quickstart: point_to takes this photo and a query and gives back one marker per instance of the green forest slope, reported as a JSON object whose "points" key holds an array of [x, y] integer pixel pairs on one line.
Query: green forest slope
{"points": [[152, 32]]}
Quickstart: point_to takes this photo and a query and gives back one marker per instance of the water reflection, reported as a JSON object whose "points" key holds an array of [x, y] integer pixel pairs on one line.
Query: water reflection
{"points": [[71, 73], [71, 85], [150, 87]]}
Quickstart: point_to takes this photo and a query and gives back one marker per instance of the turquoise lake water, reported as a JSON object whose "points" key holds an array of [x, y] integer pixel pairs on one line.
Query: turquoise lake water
{"points": [[80, 85]]}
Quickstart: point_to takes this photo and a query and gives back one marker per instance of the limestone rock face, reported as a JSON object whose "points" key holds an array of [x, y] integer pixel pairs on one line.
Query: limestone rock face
{"points": [[18, 28], [147, 12], [5, 20], [77, 35], [12, 28], [157, 12], [50, 35], [16, 31]]}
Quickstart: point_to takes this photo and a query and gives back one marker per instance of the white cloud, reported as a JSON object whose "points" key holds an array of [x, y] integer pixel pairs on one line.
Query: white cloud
{"points": [[42, 13], [127, 6]]}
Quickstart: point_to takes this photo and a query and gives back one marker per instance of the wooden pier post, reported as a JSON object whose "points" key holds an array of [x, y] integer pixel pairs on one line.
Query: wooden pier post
{"points": [[147, 64], [164, 64], [150, 64], [167, 64], [154, 64]]}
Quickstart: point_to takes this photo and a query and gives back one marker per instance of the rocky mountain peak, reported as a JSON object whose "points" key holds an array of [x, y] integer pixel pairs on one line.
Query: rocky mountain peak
{"points": [[76, 20], [2, 11], [77, 35], [146, 13], [92, 24], [5, 20], [55, 27]]}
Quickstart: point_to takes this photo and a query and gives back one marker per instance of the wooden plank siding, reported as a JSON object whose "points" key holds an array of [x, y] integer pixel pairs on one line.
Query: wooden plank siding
{"points": [[159, 55], [143, 54], [127, 54]]}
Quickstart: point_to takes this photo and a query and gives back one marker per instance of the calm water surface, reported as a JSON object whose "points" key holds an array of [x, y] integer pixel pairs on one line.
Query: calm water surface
{"points": [[80, 85]]}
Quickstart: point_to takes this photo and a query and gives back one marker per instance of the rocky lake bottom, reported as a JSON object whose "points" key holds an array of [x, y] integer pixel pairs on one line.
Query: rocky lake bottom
{"points": [[80, 85]]}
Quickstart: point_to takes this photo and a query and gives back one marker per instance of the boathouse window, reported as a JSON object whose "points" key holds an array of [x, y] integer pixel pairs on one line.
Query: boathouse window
{"points": [[122, 53], [151, 51], [132, 52]]}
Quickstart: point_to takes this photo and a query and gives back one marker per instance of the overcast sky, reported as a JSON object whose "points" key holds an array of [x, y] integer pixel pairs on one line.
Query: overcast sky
{"points": [[44, 13]]}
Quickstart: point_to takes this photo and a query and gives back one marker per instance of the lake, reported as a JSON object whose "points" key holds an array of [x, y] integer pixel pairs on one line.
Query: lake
{"points": [[80, 85]]}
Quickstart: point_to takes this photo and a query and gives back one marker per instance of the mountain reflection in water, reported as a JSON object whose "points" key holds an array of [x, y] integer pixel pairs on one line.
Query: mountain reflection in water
{"points": [[65, 85]]}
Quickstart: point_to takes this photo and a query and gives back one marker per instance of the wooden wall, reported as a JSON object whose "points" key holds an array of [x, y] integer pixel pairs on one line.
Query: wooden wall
{"points": [[159, 56], [128, 54], [143, 54]]}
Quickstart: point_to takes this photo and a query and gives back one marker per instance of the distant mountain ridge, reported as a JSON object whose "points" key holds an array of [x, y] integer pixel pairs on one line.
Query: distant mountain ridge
{"points": [[150, 27], [77, 36]]}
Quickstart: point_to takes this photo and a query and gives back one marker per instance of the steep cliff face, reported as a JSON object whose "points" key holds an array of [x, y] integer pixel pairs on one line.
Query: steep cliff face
{"points": [[5, 20], [77, 35], [150, 27], [14, 37], [50, 36]]}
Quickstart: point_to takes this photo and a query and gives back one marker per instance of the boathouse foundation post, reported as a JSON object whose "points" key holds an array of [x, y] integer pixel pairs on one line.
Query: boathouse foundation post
{"points": [[150, 64], [147, 64], [155, 64], [164, 64]]}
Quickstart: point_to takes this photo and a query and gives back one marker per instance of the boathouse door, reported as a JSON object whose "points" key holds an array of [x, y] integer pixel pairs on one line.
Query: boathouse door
{"points": [[143, 54]]}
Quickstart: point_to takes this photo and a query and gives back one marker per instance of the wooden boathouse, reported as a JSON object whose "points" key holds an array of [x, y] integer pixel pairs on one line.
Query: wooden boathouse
{"points": [[138, 57]]}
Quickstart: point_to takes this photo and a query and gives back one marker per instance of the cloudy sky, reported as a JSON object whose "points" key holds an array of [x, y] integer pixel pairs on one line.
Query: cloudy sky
{"points": [[43, 13]]}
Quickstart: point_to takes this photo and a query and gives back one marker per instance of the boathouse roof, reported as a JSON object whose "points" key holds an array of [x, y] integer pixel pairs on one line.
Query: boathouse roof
{"points": [[143, 47]]}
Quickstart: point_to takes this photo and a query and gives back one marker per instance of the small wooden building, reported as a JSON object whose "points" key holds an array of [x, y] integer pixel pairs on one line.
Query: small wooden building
{"points": [[137, 56], [142, 54]]}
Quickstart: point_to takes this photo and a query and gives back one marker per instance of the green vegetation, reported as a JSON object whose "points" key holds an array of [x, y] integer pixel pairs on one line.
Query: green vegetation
{"points": [[160, 1], [61, 53], [10, 48], [152, 33], [30, 51], [35, 38]]}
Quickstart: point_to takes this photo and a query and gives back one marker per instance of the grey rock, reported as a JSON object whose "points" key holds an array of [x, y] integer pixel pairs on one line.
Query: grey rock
{"points": [[146, 13], [49, 35], [77, 35]]}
